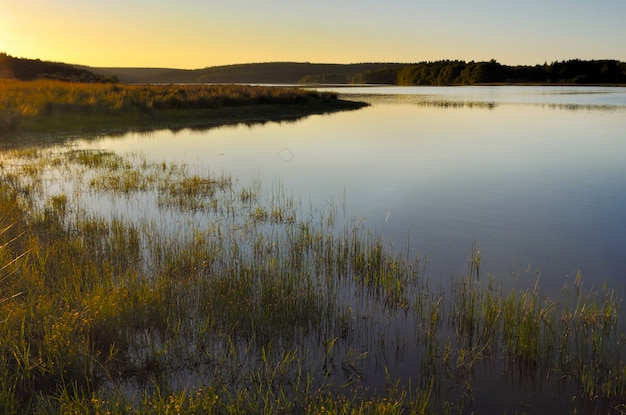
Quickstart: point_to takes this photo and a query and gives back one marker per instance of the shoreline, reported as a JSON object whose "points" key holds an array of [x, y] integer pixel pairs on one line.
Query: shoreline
{"points": [[66, 127], [68, 108], [556, 84], [176, 119]]}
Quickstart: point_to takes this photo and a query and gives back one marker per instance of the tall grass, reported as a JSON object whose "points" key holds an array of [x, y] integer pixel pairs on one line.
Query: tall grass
{"points": [[52, 104], [223, 298]]}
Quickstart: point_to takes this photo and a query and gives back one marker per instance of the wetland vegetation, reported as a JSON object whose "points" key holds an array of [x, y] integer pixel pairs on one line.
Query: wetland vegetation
{"points": [[238, 298], [48, 105]]}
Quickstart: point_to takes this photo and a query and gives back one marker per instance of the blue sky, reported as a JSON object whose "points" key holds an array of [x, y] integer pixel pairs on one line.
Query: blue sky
{"points": [[196, 34]]}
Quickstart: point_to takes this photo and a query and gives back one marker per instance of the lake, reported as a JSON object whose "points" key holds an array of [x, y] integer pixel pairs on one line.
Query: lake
{"points": [[535, 175]]}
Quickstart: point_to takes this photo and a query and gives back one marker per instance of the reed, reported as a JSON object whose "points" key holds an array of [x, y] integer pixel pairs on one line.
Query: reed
{"points": [[45, 105], [221, 297]]}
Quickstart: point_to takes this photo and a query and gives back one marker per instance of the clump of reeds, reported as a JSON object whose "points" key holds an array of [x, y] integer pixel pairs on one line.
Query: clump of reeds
{"points": [[251, 304], [46, 100]]}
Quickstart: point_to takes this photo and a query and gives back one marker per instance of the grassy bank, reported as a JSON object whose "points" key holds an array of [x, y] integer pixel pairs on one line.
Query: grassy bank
{"points": [[48, 106], [205, 295]]}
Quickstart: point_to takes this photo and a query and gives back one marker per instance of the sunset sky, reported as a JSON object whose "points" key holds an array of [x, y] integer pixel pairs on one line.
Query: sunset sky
{"points": [[201, 33]]}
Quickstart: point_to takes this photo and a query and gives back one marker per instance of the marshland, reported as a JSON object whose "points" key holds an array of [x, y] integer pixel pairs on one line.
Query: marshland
{"points": [[48, 105], [442, 250]]}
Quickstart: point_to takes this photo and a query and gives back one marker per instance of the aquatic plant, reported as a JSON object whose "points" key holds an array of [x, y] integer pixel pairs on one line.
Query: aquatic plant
{"points": [[47, 104], [227, 298]]}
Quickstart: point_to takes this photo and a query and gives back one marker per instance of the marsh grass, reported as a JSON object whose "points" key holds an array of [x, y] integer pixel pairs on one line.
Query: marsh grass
{"points": [[46, 105], [254, 304]]}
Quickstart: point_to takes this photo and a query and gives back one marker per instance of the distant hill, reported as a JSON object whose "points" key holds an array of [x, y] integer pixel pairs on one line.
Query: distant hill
{"points": [[130, 75], [265, 73], [29, 69], [443, 72]]}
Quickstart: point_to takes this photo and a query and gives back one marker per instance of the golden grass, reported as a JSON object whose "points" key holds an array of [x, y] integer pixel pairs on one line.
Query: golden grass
{"points": [[25, 104]]}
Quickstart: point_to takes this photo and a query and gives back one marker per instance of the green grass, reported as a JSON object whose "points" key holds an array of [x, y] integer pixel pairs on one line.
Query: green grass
{"points": [[253, 304]]}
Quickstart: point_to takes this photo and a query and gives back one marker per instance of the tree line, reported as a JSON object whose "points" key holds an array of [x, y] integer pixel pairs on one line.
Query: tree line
{"points": [[30, 69], [456, 72], [442, 72]]}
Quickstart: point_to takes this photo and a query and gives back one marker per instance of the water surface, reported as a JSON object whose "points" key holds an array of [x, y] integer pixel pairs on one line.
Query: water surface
{"points": [[536, 175]]}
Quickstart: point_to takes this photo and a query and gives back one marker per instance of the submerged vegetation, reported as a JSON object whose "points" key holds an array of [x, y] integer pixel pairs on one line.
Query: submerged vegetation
{"points": [[211, 296], [46, 105]]}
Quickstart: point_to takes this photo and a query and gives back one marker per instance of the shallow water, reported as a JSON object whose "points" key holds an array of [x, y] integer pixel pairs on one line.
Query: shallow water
{"points": [[536, 175], [533, 175]]}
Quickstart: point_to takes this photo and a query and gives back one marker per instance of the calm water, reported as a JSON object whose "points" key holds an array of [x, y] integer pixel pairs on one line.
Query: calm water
{"points": [[536, 175]]}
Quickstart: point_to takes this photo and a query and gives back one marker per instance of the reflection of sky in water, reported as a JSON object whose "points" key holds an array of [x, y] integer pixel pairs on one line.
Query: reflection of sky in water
{"points": [[571, 97], [538, 188]]}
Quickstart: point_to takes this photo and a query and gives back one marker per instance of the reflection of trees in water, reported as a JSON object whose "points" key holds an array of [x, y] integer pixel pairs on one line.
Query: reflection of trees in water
{"points": [[289, 116], [433, 101], [292, 293]]}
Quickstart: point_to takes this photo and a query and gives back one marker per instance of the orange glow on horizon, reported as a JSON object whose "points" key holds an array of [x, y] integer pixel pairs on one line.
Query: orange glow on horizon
{"points": [[191, 34]]}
